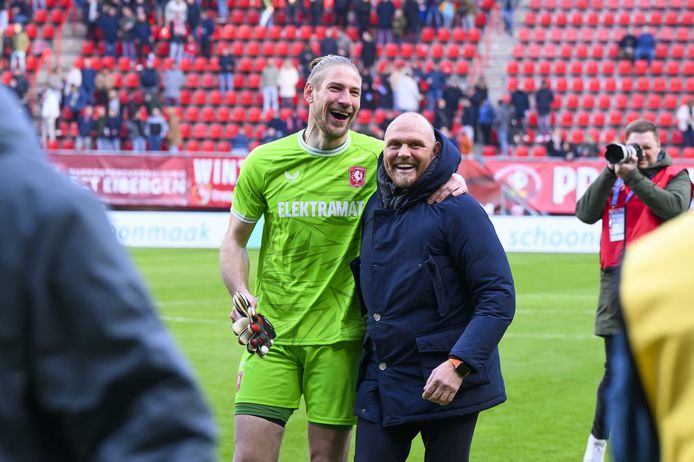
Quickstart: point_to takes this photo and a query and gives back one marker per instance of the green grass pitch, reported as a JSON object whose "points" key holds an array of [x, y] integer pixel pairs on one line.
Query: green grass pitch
{"points": [[551, 361]]}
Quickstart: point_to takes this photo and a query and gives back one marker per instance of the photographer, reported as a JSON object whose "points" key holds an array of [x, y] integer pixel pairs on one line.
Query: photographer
{"points": [[637, 191]]}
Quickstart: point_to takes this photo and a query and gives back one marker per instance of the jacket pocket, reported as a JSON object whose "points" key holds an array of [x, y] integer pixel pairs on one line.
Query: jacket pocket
{"points": [[434, 349], [440, 291], [355, 266]]}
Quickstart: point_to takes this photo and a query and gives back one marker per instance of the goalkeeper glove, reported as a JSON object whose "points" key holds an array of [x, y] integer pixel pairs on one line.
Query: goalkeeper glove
{"points": [[253, 330]]}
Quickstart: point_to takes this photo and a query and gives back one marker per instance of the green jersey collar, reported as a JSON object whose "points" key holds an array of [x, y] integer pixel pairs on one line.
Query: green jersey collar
{"points": [[323, 152]]}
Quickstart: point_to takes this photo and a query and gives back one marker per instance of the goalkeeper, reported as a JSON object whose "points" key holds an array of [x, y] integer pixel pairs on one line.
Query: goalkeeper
{"points": [[311, 188]]}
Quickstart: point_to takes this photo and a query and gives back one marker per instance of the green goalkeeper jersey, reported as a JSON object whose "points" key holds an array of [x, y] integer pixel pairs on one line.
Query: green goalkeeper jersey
{"points": [[312, 201]]}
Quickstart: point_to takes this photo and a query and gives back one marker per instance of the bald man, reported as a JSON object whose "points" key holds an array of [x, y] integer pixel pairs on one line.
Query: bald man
{"points": [[438, 293]]}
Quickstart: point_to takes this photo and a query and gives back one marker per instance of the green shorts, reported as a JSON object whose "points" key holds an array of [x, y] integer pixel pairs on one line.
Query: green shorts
{"points": [[325, 375]]}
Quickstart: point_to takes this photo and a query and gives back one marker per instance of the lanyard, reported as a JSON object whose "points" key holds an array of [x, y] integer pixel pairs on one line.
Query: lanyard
{"points": [[615, 192]]}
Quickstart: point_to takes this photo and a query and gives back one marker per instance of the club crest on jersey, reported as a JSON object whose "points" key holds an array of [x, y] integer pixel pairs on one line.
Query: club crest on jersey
{"points": [[357, 175]]}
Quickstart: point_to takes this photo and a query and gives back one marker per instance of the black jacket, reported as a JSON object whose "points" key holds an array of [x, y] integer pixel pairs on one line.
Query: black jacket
{"points": [[87, 371]]}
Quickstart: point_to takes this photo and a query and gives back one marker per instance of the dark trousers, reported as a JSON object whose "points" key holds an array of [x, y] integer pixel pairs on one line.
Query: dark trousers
{"points": [[601, 429], [445, 440]]}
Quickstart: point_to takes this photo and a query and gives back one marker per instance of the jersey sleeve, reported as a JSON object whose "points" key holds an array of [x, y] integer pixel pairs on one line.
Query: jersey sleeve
{"points": [[249, 202]]}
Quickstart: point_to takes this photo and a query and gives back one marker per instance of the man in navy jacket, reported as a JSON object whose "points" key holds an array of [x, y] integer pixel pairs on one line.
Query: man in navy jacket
{"points": [[438, 294]]}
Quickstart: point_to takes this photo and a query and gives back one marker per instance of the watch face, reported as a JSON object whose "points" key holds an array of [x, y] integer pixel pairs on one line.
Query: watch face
{"points": [[463, 369]]}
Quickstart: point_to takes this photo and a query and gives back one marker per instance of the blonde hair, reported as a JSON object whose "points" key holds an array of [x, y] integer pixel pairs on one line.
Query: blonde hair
{"points": [[319, 65]]}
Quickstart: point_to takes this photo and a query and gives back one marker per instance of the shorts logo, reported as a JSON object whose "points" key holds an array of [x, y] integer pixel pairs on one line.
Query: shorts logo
{"points": [[238, 380], [357, 175]]}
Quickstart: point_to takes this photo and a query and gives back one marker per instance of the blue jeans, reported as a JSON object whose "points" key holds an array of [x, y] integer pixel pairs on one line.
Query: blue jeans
{"points": [[139, 144], [154, 142], [226, 80]]}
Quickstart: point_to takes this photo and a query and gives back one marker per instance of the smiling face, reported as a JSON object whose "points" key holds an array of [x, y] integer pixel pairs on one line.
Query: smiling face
{"points": [[334, 101], [410, 146]]}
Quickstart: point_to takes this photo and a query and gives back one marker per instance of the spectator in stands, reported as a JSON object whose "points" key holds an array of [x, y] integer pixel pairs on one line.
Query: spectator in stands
{"points": [[155, 129], [399, 26], [226, 71], [507, 15], [413, 22], [21, 12], [521, 105], [240, 144], [544, 97], [173, 135], [447, 9], [270, 135], [278, 125], [179, 32], [384, 91], [175, 9], [50, 111], [627, 45], [204, 34], [190, 49], [316, 7], [368, 92], [75, 101], [467, 10], [20, 46], [267, 13], [468, 118], [91, 13], [645, 46], [556, 145], [436, 80], [149, 78], [127, 24], [433, 15], [406, 93], [442, 117], [151, 101], [268, 84], [341, 10], [486, 120], [362, 10], [86, 126], [222, 10], [502, 123], [104, 82], [305, 59], [20, 86], [142, 35], [685, 122], [72, 78], [193, 11], [88, 80], [4, 19], [287, 79], [588, 148], [174, 80], [135, 127], [385, 12], [109, 131], [293, 122], [291, 14], [344, 43], [368, 50], [328, 46], [113, 103], [452, 93], [109, 27], [465, 144]]}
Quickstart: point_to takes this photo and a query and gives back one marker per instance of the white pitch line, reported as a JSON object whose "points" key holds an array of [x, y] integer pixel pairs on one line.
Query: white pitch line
{"points": [[209, 301], [194, 320]]}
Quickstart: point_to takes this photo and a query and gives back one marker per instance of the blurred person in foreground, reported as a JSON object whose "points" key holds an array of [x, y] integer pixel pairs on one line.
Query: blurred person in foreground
{"points": [[311, 188], [632, 198], [652, 391], [438, 294], [87, 371]]}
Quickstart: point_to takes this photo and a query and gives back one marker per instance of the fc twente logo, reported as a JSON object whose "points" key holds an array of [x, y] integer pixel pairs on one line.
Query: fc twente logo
{"points": [[357, 176]]}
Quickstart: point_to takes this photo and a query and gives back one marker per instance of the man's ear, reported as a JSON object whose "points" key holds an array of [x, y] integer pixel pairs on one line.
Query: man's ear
{"points": [[308, 92], [437, 148]]}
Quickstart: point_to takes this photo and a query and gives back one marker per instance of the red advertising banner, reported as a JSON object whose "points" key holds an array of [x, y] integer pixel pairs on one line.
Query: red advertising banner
{"points": [[165, 181], [552, 186], [208, 181]]}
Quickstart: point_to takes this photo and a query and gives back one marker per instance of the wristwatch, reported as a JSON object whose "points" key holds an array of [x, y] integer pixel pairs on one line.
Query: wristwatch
{"points": [[461, 367]]}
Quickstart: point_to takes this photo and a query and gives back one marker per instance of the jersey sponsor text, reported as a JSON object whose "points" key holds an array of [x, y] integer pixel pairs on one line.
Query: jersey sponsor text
{"points": [[293, 209]]}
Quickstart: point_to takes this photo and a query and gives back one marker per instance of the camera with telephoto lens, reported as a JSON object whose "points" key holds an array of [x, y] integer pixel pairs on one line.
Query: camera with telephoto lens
{"points": [[617, 152]]}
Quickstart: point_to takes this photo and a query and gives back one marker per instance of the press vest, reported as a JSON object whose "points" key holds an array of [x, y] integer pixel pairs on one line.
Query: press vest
{"points": [[638, 221]]}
